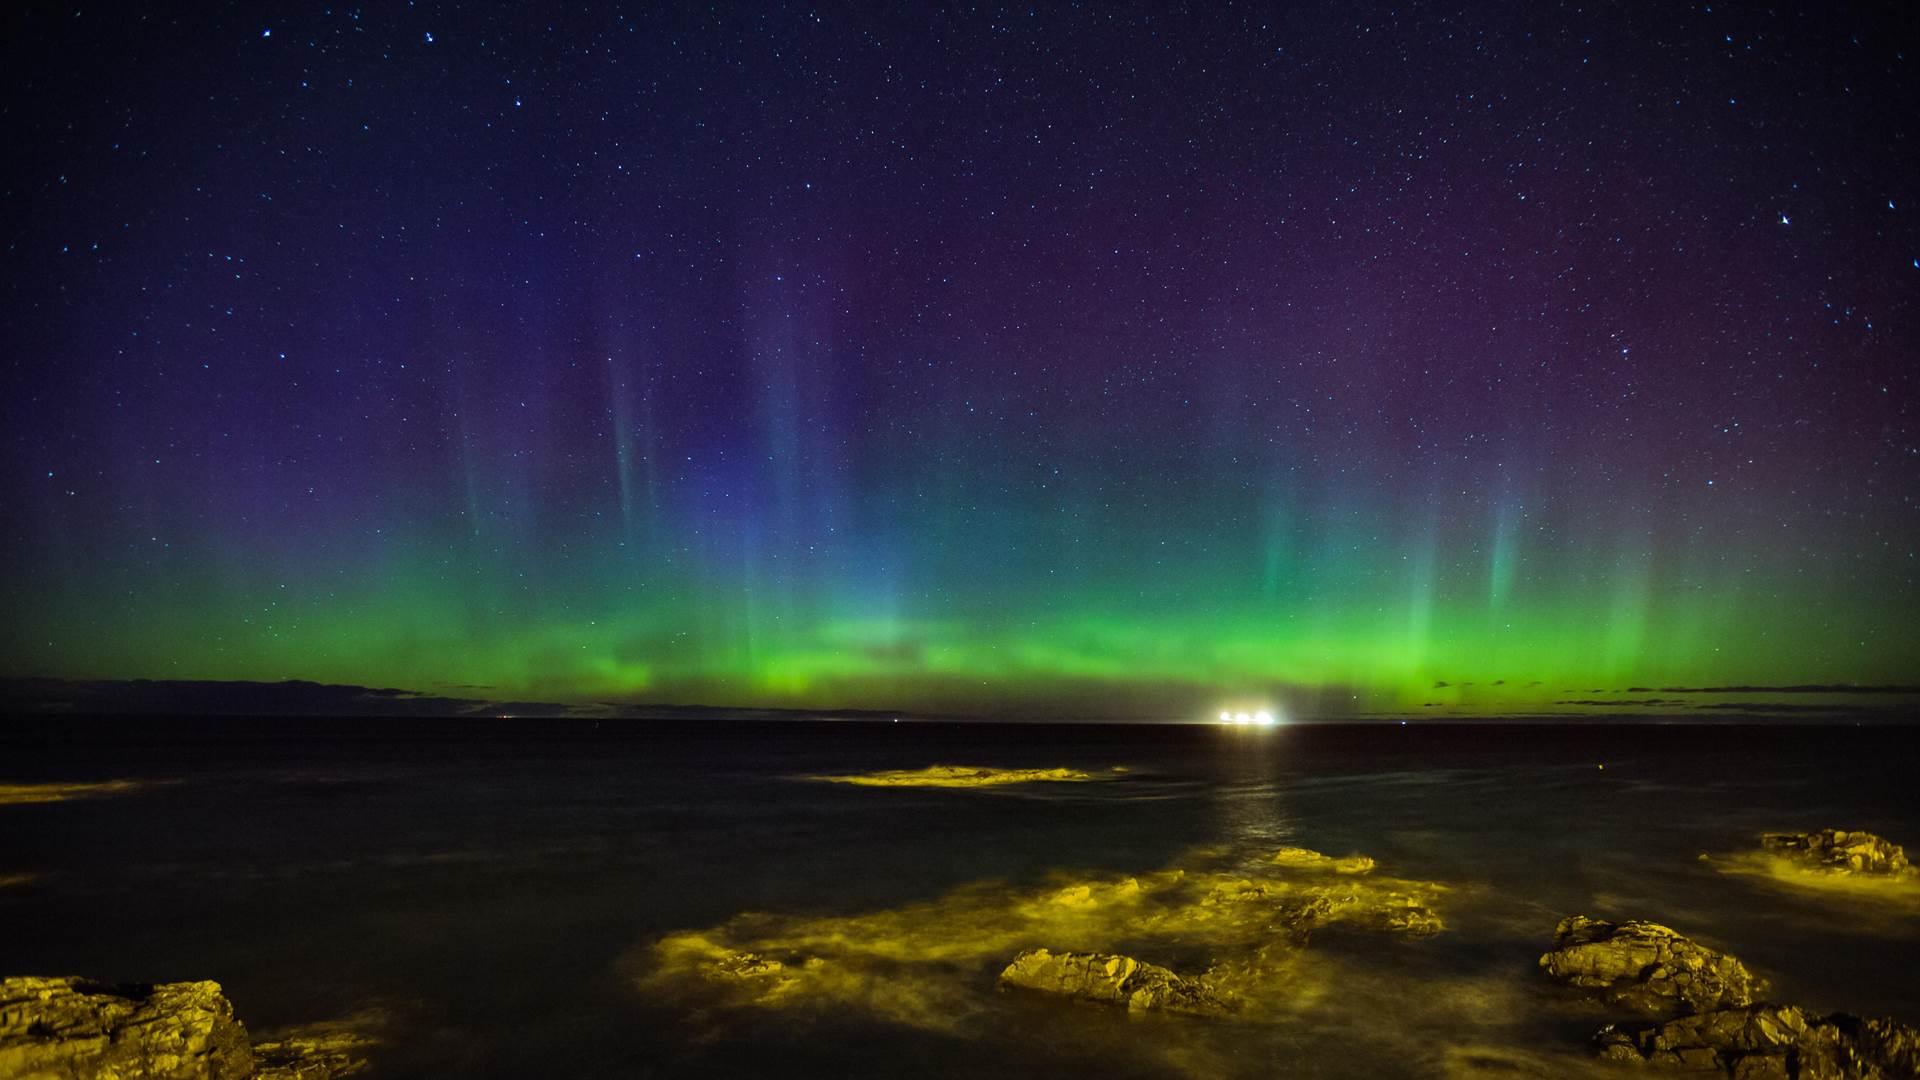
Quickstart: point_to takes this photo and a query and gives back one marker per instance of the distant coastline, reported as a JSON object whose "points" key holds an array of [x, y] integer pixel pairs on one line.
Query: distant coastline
{"points": [[52, 698]]}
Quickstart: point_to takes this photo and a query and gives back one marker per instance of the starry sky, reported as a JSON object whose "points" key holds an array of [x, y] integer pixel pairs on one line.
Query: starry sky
{"points": [[1091, 359]]}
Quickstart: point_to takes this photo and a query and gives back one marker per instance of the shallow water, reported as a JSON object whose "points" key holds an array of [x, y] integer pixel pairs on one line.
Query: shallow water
{"points": [[498, 887]]}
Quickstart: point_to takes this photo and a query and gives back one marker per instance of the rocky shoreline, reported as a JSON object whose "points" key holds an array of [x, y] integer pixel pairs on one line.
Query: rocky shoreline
{"points": [[1706, 1017], [69, 1028], [1687, 1006], [1769, 1042], [1704, 1005], [1842, 852]]}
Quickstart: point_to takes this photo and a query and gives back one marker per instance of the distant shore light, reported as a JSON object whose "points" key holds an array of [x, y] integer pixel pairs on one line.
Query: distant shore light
{"points": [[1263, 718]]}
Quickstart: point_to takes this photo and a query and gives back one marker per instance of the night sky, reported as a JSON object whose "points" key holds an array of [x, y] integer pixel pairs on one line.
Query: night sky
{"points": [[1089, 359]]}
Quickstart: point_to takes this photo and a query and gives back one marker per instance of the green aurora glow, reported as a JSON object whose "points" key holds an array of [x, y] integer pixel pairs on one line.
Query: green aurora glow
{"points": [[1342, 622], [1348, 364]]}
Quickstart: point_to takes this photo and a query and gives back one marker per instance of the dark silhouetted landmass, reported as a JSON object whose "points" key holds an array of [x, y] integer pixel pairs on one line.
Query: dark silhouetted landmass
{"points": [[298, 697], [1801, 688]]}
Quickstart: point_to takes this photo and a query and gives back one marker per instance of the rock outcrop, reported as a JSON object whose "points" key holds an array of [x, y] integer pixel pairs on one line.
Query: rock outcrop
{"points": [[1719, 1029], [1113, 980], [1770, 1042], [74, 1029], [79, 1029], [1647, 967], [1841, 851]]}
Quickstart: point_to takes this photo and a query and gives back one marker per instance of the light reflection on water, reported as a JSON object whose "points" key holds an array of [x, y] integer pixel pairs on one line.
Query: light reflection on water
{"points": [[498, 890]]}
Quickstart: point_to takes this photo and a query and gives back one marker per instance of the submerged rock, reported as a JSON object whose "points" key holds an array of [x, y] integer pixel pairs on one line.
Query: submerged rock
{"points": [[1249, 917], [1764, 1042], [1841, 851], [1406, 915], [1090, 895], [327, 1050], [1647, 967], [1299, 858], [1114, 980], [76, 1029], [1296, 913], [746, 965], [764, 976]]}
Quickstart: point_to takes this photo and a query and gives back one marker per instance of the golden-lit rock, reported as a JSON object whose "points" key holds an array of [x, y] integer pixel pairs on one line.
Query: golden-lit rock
{"points": [[866, 974], [1764, 1042], [746, 965], [1840, 851], [1647, 967], [922, 964], [1297, 911], [75, 1029], [1290, 905], [764, 978], [1869, 875], [1093, 894], [958, 776], [1299, 858], [16, 794], [1407, 915], [326, 1050], [1113, 980], [1246, 891]]}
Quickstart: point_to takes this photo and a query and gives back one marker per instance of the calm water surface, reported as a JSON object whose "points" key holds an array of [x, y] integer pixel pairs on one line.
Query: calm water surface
{"points": [[496, 887]]}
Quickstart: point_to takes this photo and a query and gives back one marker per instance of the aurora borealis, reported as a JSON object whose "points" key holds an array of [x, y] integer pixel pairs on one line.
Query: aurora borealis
{"points": [[1075, 360]]}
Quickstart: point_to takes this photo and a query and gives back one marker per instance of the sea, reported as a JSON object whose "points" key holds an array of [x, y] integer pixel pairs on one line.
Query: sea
{"points": [[577, 898]]}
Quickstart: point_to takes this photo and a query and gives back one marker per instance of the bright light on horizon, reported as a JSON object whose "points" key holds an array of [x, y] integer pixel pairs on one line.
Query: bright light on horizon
{"points": [[1257, 718]]}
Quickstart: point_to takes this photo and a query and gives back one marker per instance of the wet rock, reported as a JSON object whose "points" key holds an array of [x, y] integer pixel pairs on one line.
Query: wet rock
{"points": [[78, 1029], [1249, 917], [1247, 891], [1289, 913], [1299, 858], [1393, 912], [75, 1029], [1841, 851], [1113, 980], [17, 794], [1295, 909], [960, 776], [746, 965], [1406, 915], [1770, 1042], [1092, 895], [1647, 967], [761, 978], [328, 1050]]}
